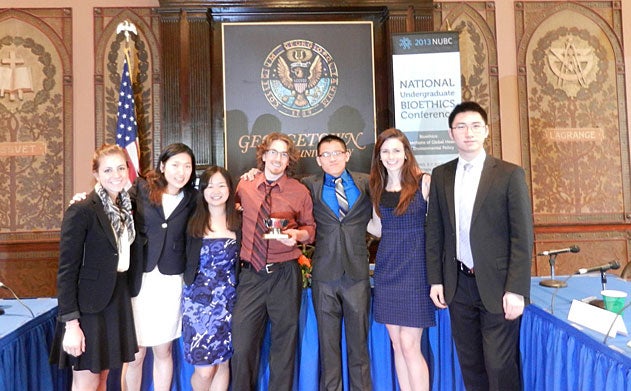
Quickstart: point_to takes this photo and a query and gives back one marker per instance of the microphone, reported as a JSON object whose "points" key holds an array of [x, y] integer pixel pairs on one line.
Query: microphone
{"points": [[613, 265], [571, 249], [17, 298], [552, 283]]}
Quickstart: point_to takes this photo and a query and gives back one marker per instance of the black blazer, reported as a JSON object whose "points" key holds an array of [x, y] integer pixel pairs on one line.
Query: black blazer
{"points": [[159, 241], [340, 245], [193, 248], [501, 232], [88, 259]]}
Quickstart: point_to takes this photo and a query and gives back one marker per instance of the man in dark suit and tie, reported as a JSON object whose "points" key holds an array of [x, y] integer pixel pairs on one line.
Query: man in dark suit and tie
{"points": [[340, 283], [479, 247]]}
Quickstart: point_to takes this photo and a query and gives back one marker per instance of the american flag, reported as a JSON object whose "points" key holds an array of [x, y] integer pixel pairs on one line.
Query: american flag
{"points": [[126, 126]]}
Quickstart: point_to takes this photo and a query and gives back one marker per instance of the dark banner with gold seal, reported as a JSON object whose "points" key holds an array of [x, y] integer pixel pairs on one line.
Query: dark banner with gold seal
{"points": [[303, 79]]}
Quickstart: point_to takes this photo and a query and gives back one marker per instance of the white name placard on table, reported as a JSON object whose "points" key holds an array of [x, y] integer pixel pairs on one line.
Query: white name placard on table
{"points": [[595, 318]]}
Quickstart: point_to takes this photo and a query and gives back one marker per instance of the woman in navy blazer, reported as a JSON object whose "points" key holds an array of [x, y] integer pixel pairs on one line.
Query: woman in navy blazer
{"points": [[163, 203], [95, 328]]}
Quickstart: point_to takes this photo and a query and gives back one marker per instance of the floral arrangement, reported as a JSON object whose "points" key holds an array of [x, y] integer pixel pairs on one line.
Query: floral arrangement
{"points": [[304, 261]]}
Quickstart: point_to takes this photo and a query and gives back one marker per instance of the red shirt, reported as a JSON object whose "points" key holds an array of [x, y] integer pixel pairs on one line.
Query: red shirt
{"points": [[290, 200]]}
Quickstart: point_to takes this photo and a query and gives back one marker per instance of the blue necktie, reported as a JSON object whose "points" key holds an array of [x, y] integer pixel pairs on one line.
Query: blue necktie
{"points": [[342, 201]]}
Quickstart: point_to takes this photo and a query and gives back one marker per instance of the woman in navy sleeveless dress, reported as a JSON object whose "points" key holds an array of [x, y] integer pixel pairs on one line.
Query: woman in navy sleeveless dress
{"points": [[401, 288], [401, 296], [212, 251]]}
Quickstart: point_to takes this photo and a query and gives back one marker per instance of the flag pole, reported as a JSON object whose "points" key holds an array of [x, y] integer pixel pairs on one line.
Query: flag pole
{"points": [[127, 27], [126, 124]]}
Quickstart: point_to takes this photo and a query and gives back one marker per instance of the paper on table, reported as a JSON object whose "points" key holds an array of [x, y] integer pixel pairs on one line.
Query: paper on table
{"points": [[595, 318]]}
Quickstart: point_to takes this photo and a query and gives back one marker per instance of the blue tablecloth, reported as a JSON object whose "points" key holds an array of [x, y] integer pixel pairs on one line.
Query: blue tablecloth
{"points": [[556, 355], [24, 346], [437, 347]]}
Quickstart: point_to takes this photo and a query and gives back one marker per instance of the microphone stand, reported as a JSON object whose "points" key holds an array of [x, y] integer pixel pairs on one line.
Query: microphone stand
{"points": [[603, 280], [551, 282]]}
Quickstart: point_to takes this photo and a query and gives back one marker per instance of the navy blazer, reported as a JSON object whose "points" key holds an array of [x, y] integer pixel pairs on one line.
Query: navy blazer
{"points": [[501, 232], [340, 245], [88, 259], [159, 241]]}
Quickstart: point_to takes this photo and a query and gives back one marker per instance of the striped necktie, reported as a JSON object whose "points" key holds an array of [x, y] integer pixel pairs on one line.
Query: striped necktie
{"points": [[342, 201], [259, 244]]}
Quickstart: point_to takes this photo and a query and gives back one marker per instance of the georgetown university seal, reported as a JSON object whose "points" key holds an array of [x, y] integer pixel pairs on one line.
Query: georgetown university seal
{"points": [[299, 78]]}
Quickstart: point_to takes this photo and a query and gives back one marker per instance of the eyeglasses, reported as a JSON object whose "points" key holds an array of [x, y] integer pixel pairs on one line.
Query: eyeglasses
{"points": [[274, 153], [328, 155], [476, 127]]}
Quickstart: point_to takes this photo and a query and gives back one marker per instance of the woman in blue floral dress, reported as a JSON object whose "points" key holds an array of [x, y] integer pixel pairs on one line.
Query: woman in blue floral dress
{"points": [[210, 276]]}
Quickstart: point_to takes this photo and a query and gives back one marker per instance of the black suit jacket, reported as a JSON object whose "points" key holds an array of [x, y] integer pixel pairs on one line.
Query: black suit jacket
{"points": [[501, 233], [159, 241], [88, 259], [340, 245]]}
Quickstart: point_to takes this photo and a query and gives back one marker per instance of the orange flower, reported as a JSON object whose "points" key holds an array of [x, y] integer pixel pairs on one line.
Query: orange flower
{"points": [[304, 261]]}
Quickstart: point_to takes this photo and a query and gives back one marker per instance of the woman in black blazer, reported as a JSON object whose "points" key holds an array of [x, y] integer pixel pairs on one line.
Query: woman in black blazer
{"points": [[163, 203], [95, 327]]}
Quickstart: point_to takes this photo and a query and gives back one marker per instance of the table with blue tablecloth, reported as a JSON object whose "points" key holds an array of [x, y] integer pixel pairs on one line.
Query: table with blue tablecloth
{"points": [[24, 346], [557, 355]]}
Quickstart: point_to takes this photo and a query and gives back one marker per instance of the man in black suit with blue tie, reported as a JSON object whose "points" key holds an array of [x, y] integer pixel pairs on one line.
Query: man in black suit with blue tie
{"points": [[340, 283], [479, 248]]}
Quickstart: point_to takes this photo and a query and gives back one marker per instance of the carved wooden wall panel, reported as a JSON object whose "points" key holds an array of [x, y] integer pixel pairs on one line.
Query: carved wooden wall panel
{"points": [[574, 131], [36, 146], [572, 109], [475, 22], [29, 268], [36, 121], [145, 72]]}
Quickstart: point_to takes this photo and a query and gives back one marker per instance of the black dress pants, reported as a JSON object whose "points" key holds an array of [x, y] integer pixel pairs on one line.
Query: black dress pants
{"points": [[261, 296], [487, 344], [333, 301]]}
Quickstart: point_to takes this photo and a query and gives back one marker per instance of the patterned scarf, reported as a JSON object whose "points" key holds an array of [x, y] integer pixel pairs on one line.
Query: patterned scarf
{"points": [[120, 214]]}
